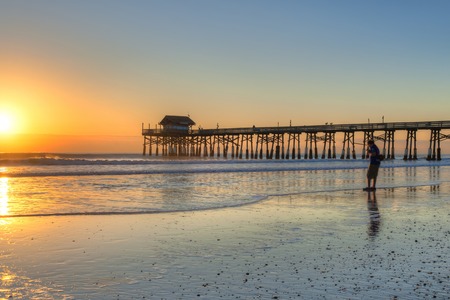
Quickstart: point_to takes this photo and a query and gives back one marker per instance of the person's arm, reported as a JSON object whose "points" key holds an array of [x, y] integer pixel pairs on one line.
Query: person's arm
{"points": [[372, 151]]}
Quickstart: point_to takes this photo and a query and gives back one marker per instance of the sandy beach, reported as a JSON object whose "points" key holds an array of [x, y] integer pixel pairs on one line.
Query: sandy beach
{"points": [[345, 244]]}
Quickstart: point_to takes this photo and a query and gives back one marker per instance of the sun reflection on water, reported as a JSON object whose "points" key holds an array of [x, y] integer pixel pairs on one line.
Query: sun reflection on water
{"points": [[15, 286], [7, 278], [4, 211]]}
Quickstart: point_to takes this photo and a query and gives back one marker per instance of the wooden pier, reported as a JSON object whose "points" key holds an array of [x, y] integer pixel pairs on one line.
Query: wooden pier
{"points": [[177, 138]]}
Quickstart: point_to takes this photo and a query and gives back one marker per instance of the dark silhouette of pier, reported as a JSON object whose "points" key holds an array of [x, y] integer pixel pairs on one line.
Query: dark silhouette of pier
{"points": [[175, 137]]}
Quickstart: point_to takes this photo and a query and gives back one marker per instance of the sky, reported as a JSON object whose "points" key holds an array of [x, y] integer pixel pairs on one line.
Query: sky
{"points": [[73, 69]]}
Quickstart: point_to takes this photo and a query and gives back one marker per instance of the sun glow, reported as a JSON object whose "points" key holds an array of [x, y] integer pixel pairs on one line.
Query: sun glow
{"points": [[5, 123]]}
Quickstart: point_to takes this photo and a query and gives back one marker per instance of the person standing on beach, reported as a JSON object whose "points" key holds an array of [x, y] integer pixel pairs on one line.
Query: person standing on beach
{"points": [[372, 172]]}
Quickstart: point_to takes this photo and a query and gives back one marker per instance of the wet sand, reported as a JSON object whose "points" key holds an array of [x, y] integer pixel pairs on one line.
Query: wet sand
{"points": [[394, 244]]}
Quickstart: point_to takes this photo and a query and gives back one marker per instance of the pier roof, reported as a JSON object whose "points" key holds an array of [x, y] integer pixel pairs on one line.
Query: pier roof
{"points": [[177, 120]]}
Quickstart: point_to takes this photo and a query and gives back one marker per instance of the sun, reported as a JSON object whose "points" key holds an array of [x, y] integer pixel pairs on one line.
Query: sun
{"points": [[5, 123]]}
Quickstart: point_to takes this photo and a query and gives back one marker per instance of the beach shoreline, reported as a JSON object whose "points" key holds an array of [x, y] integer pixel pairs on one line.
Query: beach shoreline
{"points": [[322, 245]]}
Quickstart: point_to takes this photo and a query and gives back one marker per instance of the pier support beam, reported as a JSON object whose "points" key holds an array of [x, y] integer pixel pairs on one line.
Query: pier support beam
{"points": [[262, 142], [311, 145], [411, 145], [248, 140], [434, 151], [278, 139], [328, 141], [241, 147], [349, 144], [368, 135], [157, 146], [388, 147], [150, 146], [294, 140], [217, 141], [144, 150]]}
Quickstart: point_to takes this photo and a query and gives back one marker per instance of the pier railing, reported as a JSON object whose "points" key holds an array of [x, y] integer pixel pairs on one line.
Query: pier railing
{"points": [[306, 128]]}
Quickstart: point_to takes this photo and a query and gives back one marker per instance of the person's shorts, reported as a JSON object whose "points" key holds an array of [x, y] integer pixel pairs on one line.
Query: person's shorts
{"points": [[372, 172]]}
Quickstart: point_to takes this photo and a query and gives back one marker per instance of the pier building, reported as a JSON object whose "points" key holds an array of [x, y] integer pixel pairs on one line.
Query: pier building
{"points": [[176, 137]]}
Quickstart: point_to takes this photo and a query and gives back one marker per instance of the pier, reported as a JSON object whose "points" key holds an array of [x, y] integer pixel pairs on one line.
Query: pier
{"points": [[176, 137]]}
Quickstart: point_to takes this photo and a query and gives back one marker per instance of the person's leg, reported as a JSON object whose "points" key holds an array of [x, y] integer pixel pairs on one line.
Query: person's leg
{"points": [[369, 176], [375, 175], [369, 179]]}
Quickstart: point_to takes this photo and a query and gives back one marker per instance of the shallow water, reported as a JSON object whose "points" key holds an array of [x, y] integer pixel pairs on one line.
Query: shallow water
{"points": [[133, 184]]}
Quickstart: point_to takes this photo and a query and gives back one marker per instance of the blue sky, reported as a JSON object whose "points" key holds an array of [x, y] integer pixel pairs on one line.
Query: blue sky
{"points": [[115, 64]]}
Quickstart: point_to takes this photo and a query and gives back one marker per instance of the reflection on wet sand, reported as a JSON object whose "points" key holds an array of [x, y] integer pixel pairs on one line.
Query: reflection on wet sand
{"points": [[374, 215], [14, 286]]}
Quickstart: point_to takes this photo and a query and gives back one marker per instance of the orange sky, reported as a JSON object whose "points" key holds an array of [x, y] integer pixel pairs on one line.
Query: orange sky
{"points": [[74, 70], [45, 101]]}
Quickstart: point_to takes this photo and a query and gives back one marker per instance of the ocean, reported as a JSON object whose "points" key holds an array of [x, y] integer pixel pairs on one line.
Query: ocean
{"points": [[88, 184]]}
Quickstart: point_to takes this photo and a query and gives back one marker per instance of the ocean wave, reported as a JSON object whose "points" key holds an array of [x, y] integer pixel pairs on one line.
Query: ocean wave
{"points": [[51, 159], [55, 161], [122, 168], [253, 200]]}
